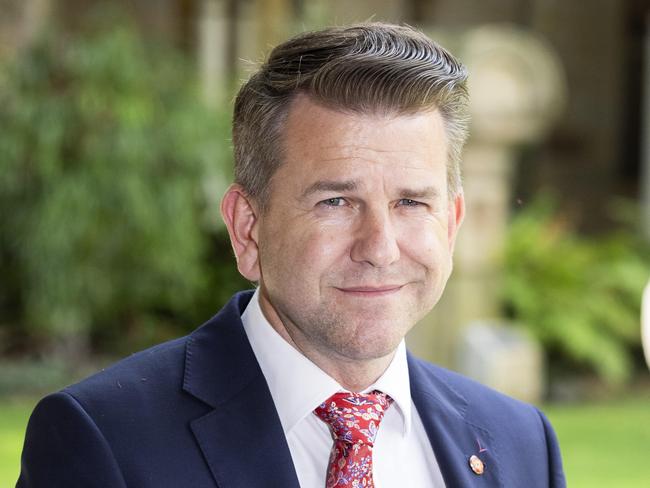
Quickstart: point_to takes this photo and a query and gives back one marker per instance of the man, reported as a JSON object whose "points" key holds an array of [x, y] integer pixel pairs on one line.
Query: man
{"points": [[345, 210]]}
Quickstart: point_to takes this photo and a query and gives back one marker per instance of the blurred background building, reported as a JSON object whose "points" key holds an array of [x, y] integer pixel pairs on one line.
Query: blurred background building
{"points": [[595, 148], [562, 110]]}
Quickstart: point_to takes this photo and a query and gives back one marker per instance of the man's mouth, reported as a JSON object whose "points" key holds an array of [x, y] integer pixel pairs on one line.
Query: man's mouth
{"points": [[371, 290]]}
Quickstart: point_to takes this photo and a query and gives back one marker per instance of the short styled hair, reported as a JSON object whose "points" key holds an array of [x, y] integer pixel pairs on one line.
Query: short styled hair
{"points": [[369, 68]]}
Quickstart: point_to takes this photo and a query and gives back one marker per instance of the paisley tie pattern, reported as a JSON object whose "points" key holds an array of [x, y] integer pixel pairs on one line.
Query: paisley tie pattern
{"points": [[353, 419]]}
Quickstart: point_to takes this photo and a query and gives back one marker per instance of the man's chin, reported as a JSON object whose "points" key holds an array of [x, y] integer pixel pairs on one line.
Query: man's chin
{"points": [[370, 353], [373, 342]]}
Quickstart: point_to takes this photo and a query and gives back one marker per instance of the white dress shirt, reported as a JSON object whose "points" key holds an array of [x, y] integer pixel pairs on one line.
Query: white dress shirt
{"points": [[402, 453]]}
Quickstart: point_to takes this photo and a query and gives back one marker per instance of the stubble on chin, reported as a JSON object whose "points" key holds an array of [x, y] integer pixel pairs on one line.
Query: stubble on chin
{"points": [[355, 335]]}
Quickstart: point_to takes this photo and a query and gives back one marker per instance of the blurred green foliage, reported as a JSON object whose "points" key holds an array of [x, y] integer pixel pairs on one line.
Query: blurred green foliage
{"points": [[108, 161], [580, 296]]}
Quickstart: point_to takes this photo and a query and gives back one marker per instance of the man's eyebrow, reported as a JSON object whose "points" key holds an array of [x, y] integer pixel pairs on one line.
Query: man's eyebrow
{"points": [[428, 192], [331, 186]]}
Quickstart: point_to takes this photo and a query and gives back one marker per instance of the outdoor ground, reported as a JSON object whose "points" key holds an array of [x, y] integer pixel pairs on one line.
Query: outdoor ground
{"points": [[605, 444]]}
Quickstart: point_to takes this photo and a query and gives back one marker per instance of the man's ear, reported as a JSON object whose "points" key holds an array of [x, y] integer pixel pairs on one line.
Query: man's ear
{"points": [[240, 215], [456, 214]]}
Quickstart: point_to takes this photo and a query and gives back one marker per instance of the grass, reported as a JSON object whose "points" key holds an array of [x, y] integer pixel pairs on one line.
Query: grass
{"points": [[14, 414], [603, 444]]}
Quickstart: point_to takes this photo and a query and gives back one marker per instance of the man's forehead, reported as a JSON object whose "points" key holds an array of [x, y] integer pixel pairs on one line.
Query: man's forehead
{"points": [[328, 150], [311, 126]]}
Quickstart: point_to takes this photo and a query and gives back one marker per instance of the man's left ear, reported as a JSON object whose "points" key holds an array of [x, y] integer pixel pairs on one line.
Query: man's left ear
{"points": [[455, 215]]}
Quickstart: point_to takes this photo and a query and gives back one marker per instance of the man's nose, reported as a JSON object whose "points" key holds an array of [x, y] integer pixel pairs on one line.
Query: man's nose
{"points": [[376, 240]]}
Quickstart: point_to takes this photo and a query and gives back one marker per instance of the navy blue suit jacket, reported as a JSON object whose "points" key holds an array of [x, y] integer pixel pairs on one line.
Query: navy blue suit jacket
{"points": [[197, 412]]}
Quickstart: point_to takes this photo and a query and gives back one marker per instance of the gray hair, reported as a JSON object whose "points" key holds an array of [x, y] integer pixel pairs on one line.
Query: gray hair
{"points": [[364, 68]]}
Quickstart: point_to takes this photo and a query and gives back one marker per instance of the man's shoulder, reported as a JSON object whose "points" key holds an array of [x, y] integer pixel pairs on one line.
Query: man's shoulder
{"points": [[159, 363], [470, 412], [129, 416], [161, 367], [475, 399], [134, 390]]}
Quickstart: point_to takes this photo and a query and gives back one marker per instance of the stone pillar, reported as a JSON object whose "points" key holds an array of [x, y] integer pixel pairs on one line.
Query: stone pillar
{"points": [[212, 37], [517, 91]]}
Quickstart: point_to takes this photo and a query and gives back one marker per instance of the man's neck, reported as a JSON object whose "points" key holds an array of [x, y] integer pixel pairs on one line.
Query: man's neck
{"points": [[353, 375]]}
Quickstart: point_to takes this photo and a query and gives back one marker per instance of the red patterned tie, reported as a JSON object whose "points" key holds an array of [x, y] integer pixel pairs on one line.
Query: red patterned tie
{"points": [[354, 420]]}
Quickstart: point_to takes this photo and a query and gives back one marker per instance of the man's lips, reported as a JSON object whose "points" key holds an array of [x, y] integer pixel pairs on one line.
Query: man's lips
{"points": [[370, 290]]}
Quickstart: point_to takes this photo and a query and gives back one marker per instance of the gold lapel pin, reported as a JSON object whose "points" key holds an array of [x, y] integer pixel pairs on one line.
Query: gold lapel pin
{"points": [[476, 464]]}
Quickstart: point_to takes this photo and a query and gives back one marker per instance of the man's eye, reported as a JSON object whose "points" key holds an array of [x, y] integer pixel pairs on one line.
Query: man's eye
{"points": [[334, 202], [409, 203]]}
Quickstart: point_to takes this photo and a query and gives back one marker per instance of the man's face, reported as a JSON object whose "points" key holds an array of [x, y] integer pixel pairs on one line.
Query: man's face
{"points": [[357, 241]]}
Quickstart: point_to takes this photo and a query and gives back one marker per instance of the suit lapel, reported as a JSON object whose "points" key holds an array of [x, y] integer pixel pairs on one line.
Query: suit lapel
{"points": [[241, 438], [453, 436]]}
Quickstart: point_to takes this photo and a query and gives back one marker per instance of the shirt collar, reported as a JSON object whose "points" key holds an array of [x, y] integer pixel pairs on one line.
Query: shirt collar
{"points": [[298, 386], [395, 383]]}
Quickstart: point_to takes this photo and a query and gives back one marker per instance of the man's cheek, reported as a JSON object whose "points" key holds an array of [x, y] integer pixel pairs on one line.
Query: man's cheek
{"points": [[323, 248], [428, 248]]}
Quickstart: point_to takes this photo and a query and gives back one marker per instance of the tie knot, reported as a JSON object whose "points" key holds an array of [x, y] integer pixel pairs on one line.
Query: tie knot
{"points": [[352, 417]]}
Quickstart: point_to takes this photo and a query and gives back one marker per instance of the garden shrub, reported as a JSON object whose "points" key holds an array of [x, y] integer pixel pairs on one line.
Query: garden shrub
{"points": [[580, 296], [108, 157]]}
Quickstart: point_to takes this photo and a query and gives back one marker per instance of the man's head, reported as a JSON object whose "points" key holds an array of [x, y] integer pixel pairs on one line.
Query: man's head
{"points": [[369, 68], [344, 207]]}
